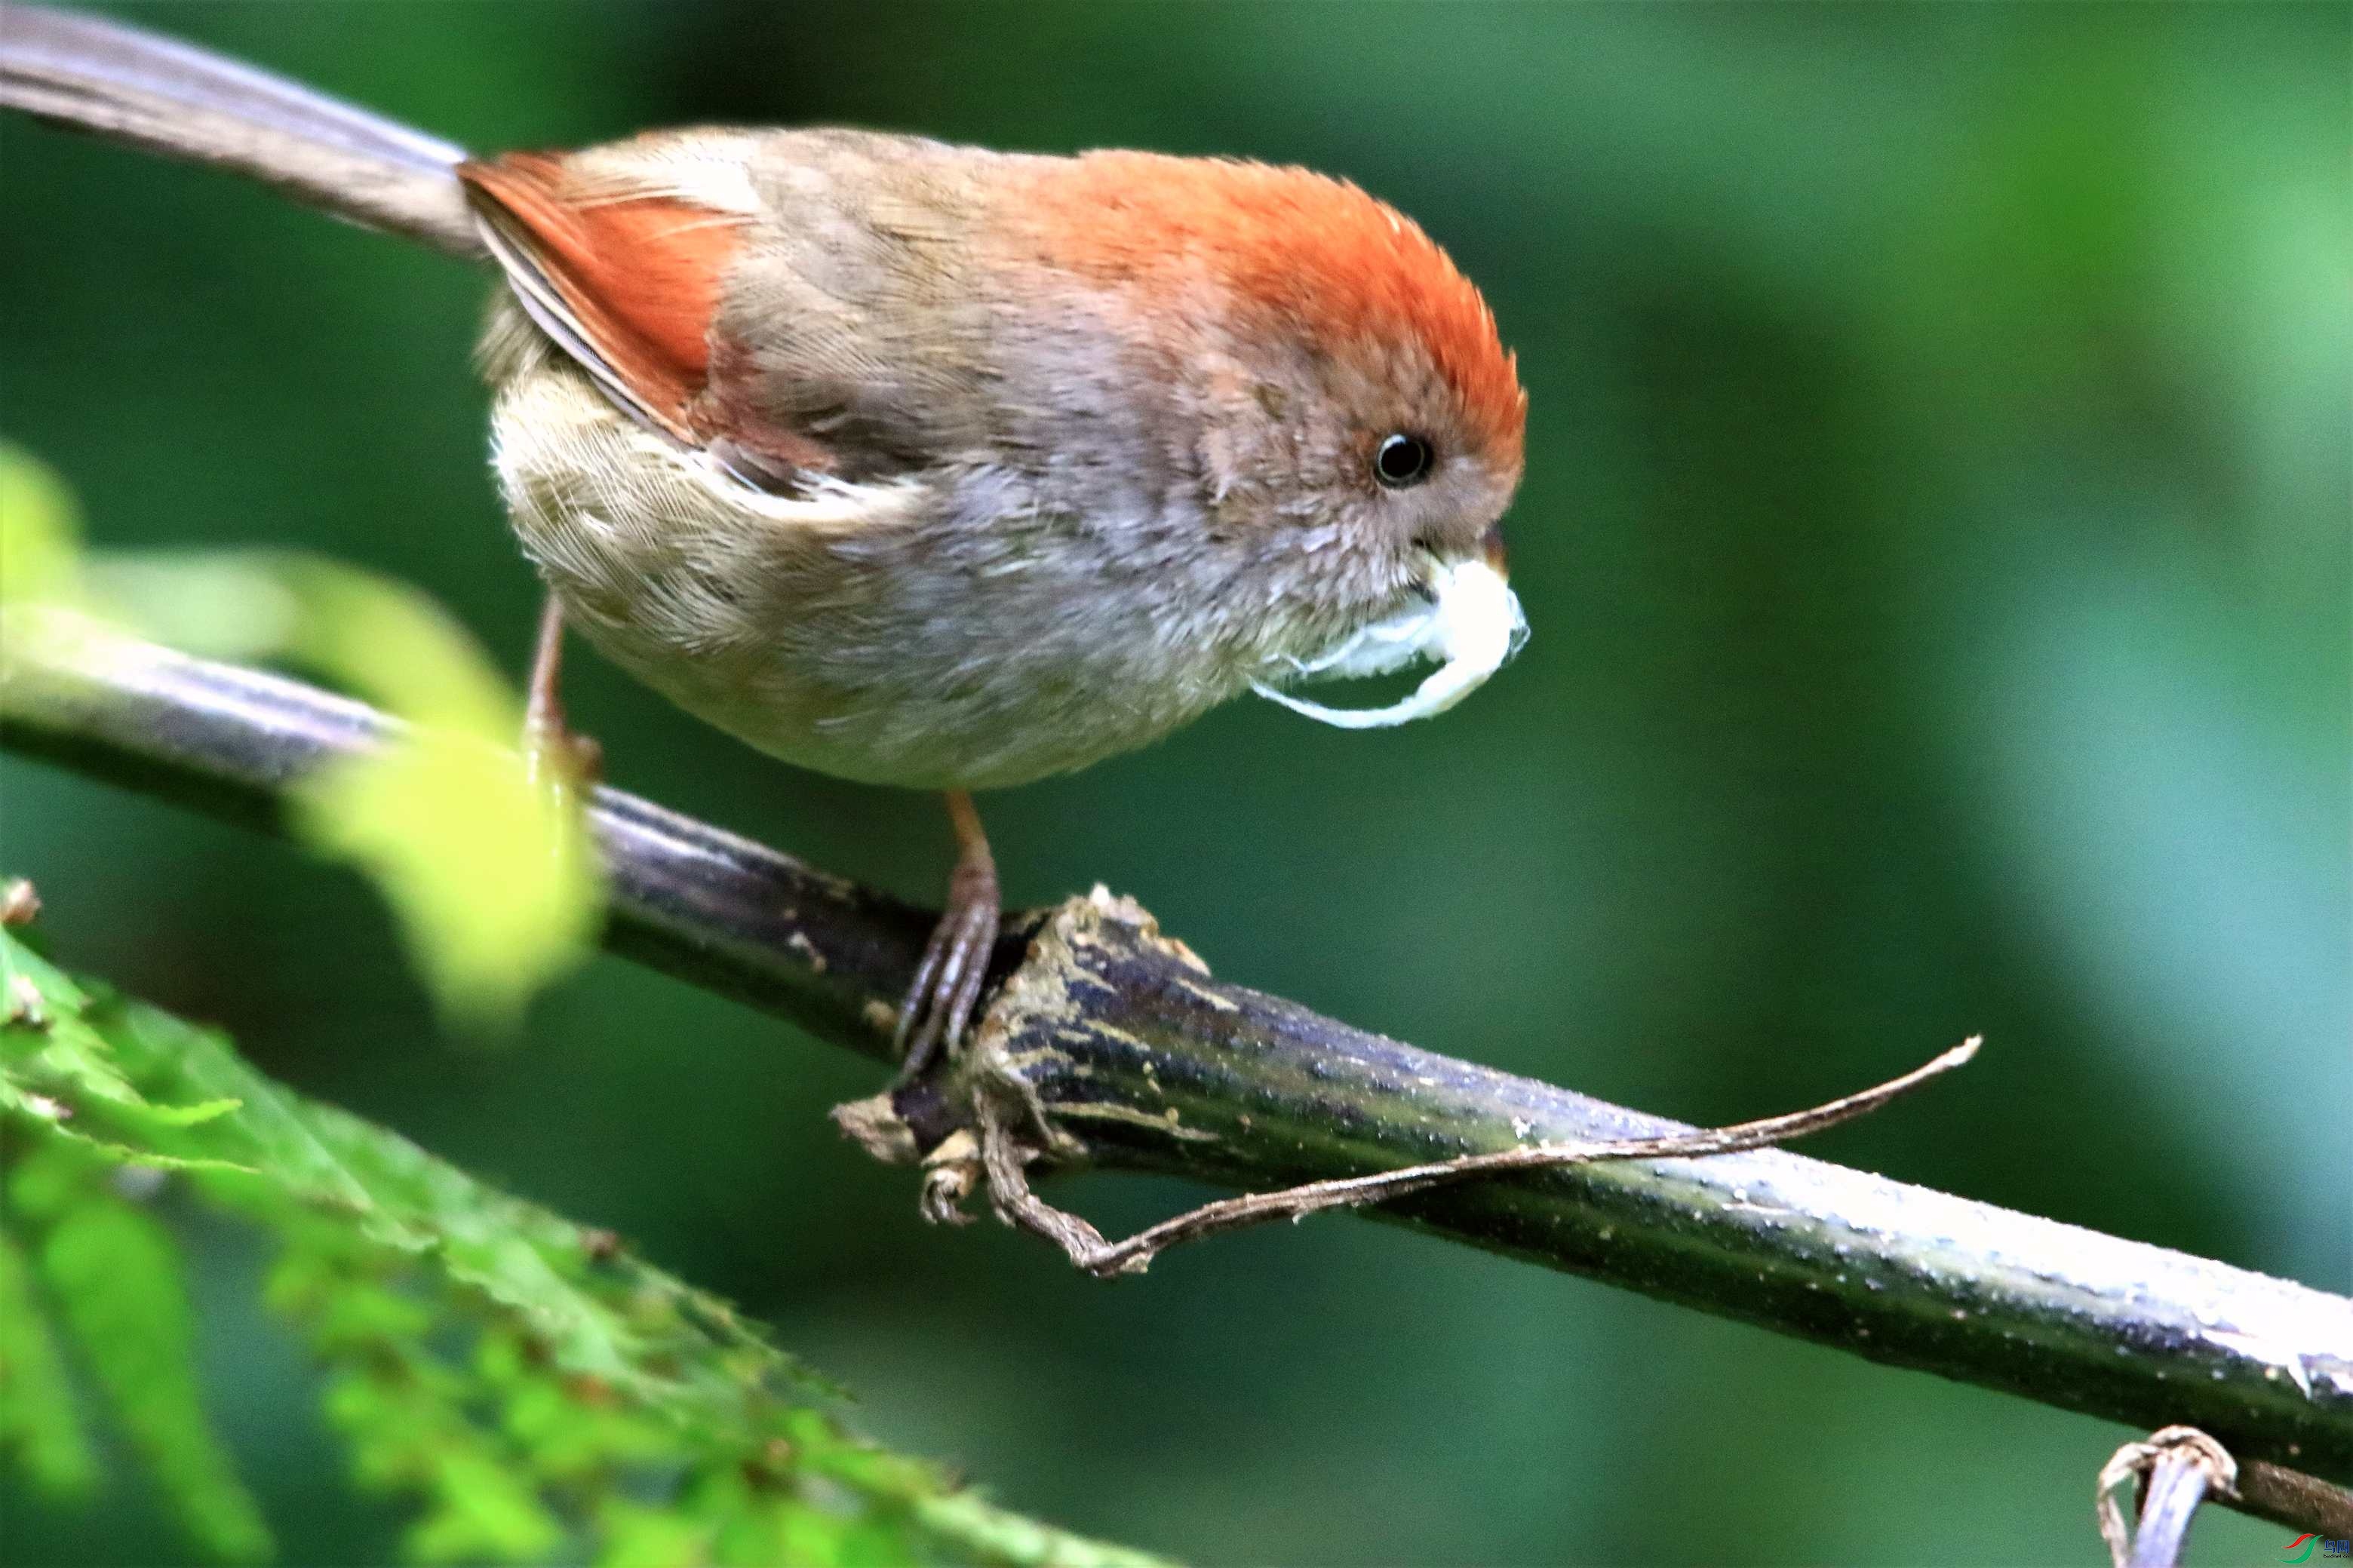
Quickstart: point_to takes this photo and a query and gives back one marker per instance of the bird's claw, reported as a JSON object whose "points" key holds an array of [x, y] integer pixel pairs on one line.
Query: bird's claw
{"points": [[947, 988]]}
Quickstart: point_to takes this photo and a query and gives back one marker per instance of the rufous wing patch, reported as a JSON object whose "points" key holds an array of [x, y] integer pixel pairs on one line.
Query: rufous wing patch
{"points": [[626, 282]]}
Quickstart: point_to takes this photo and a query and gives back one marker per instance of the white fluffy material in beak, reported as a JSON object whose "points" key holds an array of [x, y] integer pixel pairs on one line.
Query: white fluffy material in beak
{"points": [[1471, 625]]}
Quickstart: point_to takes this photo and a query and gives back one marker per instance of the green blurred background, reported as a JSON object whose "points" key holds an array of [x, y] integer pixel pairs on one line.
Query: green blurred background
{"points": [[1936, 536]]}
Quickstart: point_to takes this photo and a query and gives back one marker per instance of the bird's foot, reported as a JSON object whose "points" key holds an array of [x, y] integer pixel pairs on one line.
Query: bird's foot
{"points": [[939, 1005]]}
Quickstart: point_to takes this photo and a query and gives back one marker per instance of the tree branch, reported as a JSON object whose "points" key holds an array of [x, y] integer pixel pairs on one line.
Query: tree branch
{"points": [[1131, 1056]]}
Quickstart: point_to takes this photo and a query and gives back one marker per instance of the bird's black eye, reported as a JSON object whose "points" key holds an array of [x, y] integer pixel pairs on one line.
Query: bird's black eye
{"points": [[1402, 460]]}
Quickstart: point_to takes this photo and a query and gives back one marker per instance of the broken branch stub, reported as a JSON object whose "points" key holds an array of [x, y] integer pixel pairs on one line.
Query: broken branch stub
{"points": [[1045, 1030]]}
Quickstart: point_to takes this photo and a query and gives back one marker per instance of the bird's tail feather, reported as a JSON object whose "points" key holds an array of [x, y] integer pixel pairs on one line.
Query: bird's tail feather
{"points": [[168, 96]]}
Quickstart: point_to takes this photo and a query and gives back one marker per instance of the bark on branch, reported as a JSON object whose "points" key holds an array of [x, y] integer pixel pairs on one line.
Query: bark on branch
{"points": [[1134, 1057]]}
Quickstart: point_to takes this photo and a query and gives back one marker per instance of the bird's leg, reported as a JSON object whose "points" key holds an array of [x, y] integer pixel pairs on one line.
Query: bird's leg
{"points": [[947, 982], [547, 741]]}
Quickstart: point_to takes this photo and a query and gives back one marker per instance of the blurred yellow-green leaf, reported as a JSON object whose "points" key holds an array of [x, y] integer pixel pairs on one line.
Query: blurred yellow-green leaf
{"points": [[40, 532], [490, 868], [485, 860]]}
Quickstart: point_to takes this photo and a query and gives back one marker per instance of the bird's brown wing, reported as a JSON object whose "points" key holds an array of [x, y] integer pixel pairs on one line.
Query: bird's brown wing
{"points": [[626, 276]]}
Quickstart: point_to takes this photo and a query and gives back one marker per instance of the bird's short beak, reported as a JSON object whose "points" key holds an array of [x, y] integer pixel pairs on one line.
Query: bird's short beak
{"points": [[1471, 623]]}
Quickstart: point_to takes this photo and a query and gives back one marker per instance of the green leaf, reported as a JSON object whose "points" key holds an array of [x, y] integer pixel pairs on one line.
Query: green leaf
{"points": [[38, 1428], [40, 532], [115, 1276], [490, 869], [485, 857], [382, 640], [531, 1387], [639, 1537], [483, 1511], [485, 860], [60, 1073]]}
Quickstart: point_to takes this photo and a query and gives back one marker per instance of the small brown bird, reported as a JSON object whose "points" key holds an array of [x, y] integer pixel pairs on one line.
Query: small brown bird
{"points": [[918, 464]]}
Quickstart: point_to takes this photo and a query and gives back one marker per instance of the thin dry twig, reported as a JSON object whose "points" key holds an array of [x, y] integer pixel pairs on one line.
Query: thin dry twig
{"points": [[1003, 1155], [2293, 1498]]}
